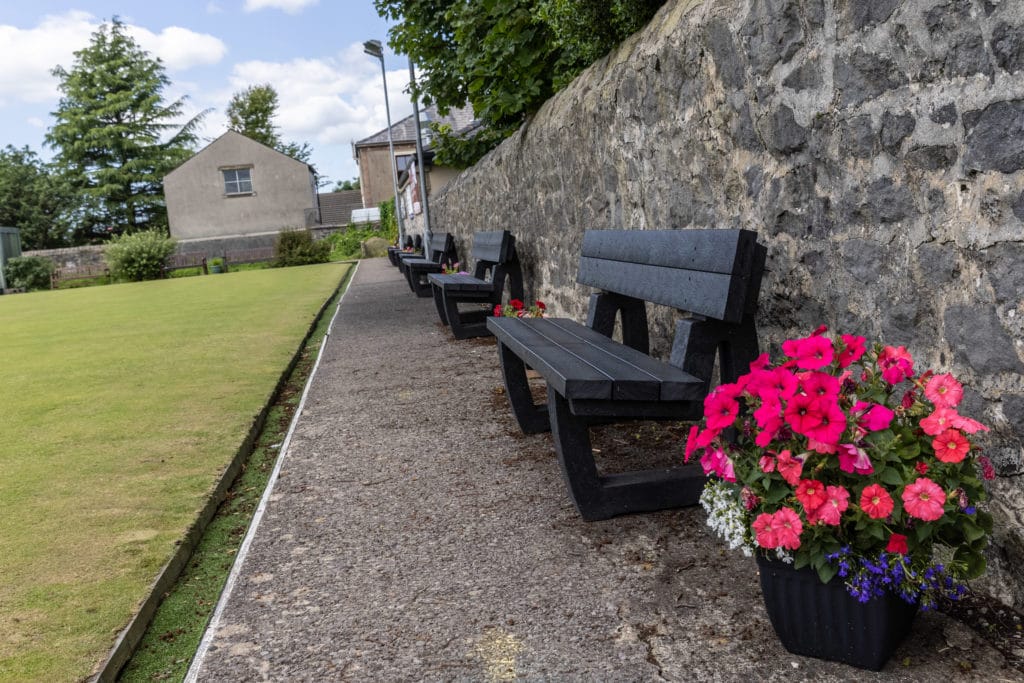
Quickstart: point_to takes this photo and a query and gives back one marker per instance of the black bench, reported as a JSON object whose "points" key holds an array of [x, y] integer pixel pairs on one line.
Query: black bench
{"points": [[440, 250], [713, 274], [495, 256]]}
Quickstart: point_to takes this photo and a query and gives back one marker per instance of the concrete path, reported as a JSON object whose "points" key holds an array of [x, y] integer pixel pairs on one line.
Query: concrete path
{"points": [[415, 535]]}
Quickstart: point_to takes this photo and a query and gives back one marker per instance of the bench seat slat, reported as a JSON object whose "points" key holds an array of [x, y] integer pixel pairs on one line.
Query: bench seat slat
{"points": [[676, 384], [566, 373], [461, 283]]}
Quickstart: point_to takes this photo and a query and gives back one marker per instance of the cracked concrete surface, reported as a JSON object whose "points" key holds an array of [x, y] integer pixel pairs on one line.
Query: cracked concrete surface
{"points": [[414, 534]]}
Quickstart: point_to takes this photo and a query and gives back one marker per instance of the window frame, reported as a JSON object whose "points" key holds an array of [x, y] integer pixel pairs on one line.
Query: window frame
{"points": [[236, 181]]}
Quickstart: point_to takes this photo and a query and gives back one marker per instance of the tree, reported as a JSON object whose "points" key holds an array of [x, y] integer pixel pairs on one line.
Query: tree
{"points": [[251, 112], [32, 200], [343, 185], [504, 57], [115, 137]]}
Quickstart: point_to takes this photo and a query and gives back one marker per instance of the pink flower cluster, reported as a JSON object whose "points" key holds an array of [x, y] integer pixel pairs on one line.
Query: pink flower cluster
{"points": [[517, 309], [824, 424]]}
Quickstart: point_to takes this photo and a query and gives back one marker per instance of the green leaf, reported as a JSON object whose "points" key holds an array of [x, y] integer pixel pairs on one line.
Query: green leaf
{"points": [[974, 562], [826, 571], [891, 476], [971, 531]]}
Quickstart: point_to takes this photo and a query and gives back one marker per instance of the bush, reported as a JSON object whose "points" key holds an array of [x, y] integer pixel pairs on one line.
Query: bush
{"points": [[345, 244], [28, 272], [298, 248], [139, 256]]}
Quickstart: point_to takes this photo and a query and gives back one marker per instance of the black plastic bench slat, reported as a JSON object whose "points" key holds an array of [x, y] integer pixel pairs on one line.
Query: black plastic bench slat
{"points": [[493, 246], [675, 384], [565, 372], [702, 271], [461, 283]]}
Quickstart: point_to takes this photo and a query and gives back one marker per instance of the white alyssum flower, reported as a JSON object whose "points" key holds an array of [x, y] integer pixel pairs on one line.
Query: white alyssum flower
{"points": [[725, 515]]}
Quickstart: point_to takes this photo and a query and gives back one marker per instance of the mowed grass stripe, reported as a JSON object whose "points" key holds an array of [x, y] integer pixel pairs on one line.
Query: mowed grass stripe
{"points": [[119, 408]]}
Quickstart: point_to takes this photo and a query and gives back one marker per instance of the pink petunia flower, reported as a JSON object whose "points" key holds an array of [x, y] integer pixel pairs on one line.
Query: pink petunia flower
{"points": [[939, 421], [809, 353], [873, 417], [897, 544], [854, 459], [944, 391], [951, 446], [876, 502], [691, 443], [720, 409], [831, 424], [760, 363], [789, 467], [852, 351], [837, 499], [766, 463], [715, 461], [787, 527], [820, 385], [924, 499], [803, 413], [988, 471], [765, 532], [811, 494], [968, 425], [896, 364]]}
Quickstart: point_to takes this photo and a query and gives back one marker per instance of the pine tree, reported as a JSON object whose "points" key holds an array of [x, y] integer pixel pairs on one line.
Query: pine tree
{"points": [[31, 199], [115, 137]]}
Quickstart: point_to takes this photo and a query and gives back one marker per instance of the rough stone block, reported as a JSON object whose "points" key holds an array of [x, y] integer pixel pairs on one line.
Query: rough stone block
{"points": [[932, 157], [784, 135], [944, 114], [864, 75], [895, 129], [995, 138], [979, 341], [860, 14], [1008, 47]]}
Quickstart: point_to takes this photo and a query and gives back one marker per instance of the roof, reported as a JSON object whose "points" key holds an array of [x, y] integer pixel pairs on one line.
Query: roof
{"points": [[336, 207], [461, 120], [230, 133]]}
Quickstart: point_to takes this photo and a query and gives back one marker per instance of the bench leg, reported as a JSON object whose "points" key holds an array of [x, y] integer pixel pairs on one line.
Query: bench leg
{"points": [[532, 418], [439, 303], [600, 497], [466, 324]]}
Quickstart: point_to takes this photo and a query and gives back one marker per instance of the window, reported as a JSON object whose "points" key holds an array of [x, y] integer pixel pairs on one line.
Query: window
{"points": [[237, 180]]}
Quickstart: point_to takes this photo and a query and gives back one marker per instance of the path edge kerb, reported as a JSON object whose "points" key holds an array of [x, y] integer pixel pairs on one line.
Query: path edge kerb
{"points": [[131, 635]]}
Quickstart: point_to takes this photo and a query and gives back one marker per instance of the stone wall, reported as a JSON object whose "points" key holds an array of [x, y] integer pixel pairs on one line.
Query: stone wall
{"points": [[877, 146]]}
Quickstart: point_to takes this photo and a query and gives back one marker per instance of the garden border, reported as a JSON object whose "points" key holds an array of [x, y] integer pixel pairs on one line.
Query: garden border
{"points": [[130, 637]]}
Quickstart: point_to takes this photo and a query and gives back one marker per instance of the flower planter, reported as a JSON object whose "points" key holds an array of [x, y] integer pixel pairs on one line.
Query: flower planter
{"points": [[822, 620]]}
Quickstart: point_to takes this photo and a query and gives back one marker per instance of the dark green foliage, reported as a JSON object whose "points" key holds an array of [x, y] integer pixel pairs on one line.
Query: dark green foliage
{"points": [[343, 185], [388, 221], [251, 112], [504, 57], [298, 248], [139, 256], [32, 199], [115, 137], [345, 244], [28, 272]]}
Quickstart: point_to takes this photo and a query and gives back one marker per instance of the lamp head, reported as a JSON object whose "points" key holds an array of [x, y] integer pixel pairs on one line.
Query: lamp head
{"points": [[374, 49]]}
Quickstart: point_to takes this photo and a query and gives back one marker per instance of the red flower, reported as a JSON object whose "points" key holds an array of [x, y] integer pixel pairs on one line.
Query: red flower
{"points": [[939, 421], [516, 304], [873, 416], [950, 446], [720, 410], [540, 304], [803, 413], [836, 501], [921, 467], [924, 499], [876, 502], [790, 468], [896, 364], [787, 527], [944, 391], [497, 310], [988, 472], [766, 536], [811, 494], [767, 463], [820, 385], [897, 544], [831, 425]]}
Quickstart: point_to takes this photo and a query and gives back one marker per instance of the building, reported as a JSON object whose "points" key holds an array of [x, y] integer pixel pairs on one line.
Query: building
{"points": [[239, 192], [373, 156]]}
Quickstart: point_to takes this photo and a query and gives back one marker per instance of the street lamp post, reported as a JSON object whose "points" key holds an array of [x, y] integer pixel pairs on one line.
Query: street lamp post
{"points": [[427, 233], [375, 49]]}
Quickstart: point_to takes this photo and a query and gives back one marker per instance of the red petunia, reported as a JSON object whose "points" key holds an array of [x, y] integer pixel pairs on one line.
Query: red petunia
{"points": [[811, 494], [787, 527], [924, 499], [831, 424], [897, 544], [876, 502], [765, 533], [951, 446], [896, 364], [789, 467], [836, 501], [939, 421]]}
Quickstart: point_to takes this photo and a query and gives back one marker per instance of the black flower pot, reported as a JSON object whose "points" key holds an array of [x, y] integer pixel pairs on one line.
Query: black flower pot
{"points": [[822, 620]]}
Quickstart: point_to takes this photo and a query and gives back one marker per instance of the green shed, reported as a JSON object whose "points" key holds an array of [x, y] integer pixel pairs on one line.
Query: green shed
{"points": [[10, 247]]}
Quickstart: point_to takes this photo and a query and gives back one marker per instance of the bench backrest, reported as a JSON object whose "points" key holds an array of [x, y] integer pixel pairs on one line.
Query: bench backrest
{"points": [[494, 247], [714, 273], [440, 247]]}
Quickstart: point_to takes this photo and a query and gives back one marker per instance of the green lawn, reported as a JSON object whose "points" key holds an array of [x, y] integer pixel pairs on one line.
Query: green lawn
{"points": [[119, 408]]}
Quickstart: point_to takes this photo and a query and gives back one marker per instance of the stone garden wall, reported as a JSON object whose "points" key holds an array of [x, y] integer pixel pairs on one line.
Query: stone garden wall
{"points": [[877, 146]]}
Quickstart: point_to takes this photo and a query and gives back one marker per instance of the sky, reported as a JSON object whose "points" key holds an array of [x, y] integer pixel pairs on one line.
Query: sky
{"points": [[330, 93]]}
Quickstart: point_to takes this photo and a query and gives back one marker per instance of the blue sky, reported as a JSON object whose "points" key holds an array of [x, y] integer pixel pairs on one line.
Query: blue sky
{"points": [[309, 50]]}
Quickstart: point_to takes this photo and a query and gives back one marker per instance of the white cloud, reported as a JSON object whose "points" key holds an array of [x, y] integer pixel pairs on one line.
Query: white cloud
{"points": [[214, 8], [289, 6], [35, 122], [27, 55], [180, 48]]}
